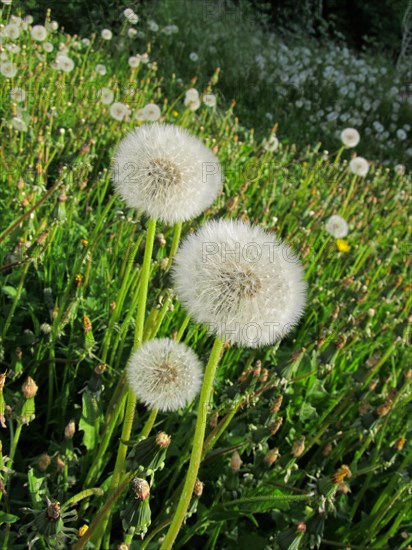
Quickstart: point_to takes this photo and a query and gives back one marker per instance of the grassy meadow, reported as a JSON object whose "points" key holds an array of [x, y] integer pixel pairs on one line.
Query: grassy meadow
{"points": [[308, 441]]}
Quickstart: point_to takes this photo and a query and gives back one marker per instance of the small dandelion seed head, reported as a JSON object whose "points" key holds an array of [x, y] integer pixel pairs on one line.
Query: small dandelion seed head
{"points": [[164, 171], [141, 488], [164, 374], [29, 388], [241, 282], [337, 227], [359, 166], [350, 137]]}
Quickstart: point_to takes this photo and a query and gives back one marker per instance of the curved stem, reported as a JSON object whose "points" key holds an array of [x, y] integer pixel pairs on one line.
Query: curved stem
{"points": [[175, 243], [196, 456], [149, 424]]}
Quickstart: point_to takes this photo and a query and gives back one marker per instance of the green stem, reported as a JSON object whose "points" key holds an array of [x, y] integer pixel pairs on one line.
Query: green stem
{"points": [[131, 398], [175, 243], [196, 456], [149, 424]]}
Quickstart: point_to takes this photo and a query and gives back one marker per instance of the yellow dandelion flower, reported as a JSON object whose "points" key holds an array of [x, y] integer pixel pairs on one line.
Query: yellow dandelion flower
{"points": [[87, 324], [175, 113], [340, 475], [84, 242], [342, 245]]}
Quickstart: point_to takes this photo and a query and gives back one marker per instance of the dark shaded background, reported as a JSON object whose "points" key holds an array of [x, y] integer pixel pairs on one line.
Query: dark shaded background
{"points": [[375, 24]]}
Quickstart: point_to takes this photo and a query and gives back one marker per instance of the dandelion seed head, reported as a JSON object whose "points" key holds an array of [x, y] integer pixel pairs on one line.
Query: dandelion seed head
{"points": [[241, 282], [106, 34], [359, 166], [164, 374], [337, 227], [350, 137], [166, 172]]}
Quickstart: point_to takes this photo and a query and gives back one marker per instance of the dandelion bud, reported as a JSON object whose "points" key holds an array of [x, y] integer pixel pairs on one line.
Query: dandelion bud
{"points": [[29, 388], [45, 328], [53, 510], [340, 475], [44, 462], [275, 406], [301, 527], [399, 443], [271, 457], [343, 488], [257, 368], [123, 546], [161, 239], [371, 312], [408, 374], [60, 463], [385, 408], [99, 370], [70, 430], [298, 447], [264, 376], [163, 440], [235, 462], [198, 488], [327, 449], [213, 420], [141, 488], [274, 426], [164, 263]]}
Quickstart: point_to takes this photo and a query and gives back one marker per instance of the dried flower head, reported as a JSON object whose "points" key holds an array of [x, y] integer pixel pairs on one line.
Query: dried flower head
{"points": [[235, 462], [166, 172], [164, 374], [350, 137], [29, 388], [337, 227], [141, 488], [241, 282]]}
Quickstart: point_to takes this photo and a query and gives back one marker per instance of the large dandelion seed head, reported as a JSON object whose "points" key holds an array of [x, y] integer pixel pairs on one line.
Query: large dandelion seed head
{"points": [[164, 374], [350, 137], [337, 227], [241, 282], [166, 172]]}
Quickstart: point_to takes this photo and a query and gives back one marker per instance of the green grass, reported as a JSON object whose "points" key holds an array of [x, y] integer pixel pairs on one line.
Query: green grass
{"points": [[70, 251]]}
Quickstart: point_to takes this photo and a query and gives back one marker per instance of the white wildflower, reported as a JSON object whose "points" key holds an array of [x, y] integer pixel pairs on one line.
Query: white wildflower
{"points": [[240, 281], [337, 227], [19, 124], [134, 61], [64, 63], [166, 172], [164, 374], [401, 134], [151, 112], [17, 94], [101, 69], [11, 31], [139, 115], [48, 47], [193, 56], [8, 69], [271, 144], [131, 33], [400, 169], [153, 26]]}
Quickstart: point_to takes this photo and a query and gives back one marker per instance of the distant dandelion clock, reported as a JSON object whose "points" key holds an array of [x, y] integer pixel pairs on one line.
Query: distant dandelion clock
{"points": [[350, 137], [241, 282], [337, 227], [39, 33], [359, 166], [164, 374], [166, 172]]}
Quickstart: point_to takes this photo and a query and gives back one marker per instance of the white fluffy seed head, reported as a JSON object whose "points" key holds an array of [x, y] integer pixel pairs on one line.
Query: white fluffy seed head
{"points": [[164, 374], [241, 282], [350, 137], [359, 166], [166, 172], [337, 227]]}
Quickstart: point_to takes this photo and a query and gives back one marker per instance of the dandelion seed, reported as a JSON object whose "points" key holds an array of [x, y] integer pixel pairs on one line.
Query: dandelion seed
{"points": [[106, 96], [101, 69], [151, 112], [166, 172], [106, 34], [8, 69], [18, 95], [134, 61], [337, 227], [11, 31], [119, 111], [350, 137], [271, 144], [39, 33], [19, 124], [164, 374], [209, 100], [359, 166], [242, 283]]}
